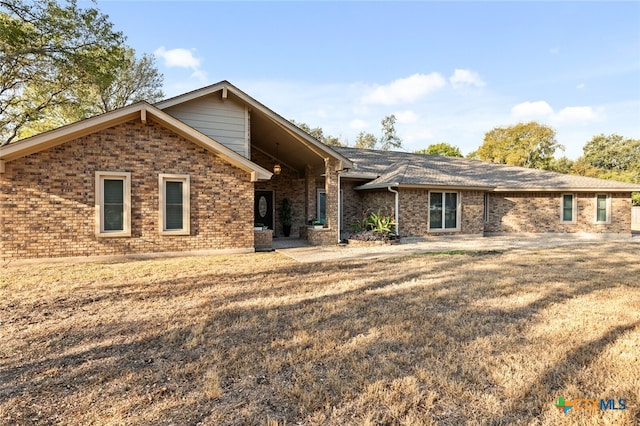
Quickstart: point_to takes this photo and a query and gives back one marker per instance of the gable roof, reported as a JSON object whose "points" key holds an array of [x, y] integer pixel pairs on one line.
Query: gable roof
{"points": [[141, 110], [401, 169], [261, 113]]}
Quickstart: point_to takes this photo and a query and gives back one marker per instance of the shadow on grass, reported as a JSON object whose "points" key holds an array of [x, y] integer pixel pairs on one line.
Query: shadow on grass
{"points": [[312, 341]]}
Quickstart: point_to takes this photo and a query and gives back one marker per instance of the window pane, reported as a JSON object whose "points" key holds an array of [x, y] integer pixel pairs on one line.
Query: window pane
{"points": [[113, 205], [174, 192], [567, 208], [173, 205], [451, 207], [113, 191], [602, 208], [113, 217], [322, 207], [435, 210]]}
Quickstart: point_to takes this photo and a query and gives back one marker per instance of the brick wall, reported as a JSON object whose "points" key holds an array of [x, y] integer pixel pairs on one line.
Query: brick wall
{"points": [[414, 214], [540, 212], [47, 199], [352, 204], [288, 184]]}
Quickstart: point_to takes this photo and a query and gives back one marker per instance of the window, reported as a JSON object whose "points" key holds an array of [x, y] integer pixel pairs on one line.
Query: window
{"points": [[174, 204], [321, 206], [603, 208], [113, 204], [443, 211], [486, 208], [568, 208]]}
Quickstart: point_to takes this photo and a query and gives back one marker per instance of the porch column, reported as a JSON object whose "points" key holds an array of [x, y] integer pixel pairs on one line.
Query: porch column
{"points": [[331, 188], [310, 205]]}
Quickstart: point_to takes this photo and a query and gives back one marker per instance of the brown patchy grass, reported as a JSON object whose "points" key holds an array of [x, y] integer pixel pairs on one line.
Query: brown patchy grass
{"points": [[458, 338]]}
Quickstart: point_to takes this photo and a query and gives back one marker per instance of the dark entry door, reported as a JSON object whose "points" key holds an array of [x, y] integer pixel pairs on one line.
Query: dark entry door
{"points": [[263, 208]]}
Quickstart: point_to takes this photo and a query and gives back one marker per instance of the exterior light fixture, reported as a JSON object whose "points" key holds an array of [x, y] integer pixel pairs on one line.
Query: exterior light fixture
{"points": [[277, 168]]}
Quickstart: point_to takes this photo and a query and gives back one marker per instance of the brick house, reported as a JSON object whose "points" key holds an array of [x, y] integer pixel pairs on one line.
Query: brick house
{"points": [[196, 172]]}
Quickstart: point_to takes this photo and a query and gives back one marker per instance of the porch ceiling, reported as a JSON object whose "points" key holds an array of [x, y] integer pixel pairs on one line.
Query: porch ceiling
{"points": [[284, 145]]}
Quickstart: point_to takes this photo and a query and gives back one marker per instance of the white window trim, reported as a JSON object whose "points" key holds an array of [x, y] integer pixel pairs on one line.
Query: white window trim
{"points": [[99, 202], [574, 208], [608, 207], [186, 204], [458, 212]]}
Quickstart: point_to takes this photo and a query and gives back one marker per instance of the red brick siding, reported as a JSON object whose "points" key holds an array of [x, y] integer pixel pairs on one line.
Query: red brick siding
{"points": [[47, 199]]}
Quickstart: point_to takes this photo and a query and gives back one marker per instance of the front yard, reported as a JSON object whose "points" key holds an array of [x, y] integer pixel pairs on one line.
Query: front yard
{"points": [[477, 337]]}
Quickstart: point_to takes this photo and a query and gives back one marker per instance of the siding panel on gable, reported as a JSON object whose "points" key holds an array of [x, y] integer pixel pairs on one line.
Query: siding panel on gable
{"points": [[223, 121]]}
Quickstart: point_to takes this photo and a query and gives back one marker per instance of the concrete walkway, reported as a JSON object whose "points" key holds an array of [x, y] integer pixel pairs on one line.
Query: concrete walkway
{"points": [[302, 252]]}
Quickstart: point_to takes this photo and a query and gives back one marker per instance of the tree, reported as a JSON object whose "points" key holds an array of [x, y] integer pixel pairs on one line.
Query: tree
{"points": [[389, 138], [611, 157], [365, 140], [441, 148], [561, 165], [614, 153], [318, 133], [525, 144], [50, 50], [135, 80]]}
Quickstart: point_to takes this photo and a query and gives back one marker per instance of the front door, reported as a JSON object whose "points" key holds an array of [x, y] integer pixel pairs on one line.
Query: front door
{"points": [[263, 208]]}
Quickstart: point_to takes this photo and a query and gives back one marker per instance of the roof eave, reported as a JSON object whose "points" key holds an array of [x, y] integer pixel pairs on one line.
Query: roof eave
{"points": [[63, 134], [140, 110], [384, 185], [316, 146], [567, 189]]}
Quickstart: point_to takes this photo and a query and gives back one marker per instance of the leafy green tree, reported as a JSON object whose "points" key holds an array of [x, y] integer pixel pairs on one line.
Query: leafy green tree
{"points": [[611, 157], [51, 49], [441, 148], [613, 152], [525, 144], [561, 165], [318, 133], [389, 138], [366, 140], [137, 79]]}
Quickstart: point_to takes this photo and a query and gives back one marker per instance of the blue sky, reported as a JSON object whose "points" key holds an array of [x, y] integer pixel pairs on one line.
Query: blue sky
{"points": [[449, 71]]}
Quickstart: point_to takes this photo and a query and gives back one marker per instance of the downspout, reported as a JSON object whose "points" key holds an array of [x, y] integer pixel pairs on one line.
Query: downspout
{"points": [[396, 209], [339, 209]]}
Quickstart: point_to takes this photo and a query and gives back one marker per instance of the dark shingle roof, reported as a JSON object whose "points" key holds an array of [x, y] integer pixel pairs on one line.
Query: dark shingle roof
{"points": [[392, 168]]}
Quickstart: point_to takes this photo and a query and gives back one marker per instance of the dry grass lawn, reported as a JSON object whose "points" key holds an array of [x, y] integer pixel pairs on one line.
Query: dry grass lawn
{"points": [[451, 338]]}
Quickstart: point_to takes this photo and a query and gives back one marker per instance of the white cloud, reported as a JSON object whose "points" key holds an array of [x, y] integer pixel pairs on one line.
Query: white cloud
{"points": [[582, 114], [181, 58], [405, 90], [554, 50], [568, 115], [358, 124], [407, 116], [532, 109], [466, 78], [580, 86]]}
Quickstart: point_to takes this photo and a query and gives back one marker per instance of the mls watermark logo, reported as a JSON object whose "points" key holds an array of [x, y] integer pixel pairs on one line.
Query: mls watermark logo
{"points": [[584, 404]]}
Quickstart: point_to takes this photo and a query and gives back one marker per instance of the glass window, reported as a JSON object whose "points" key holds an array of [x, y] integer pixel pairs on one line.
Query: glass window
{"points": [[602, 208], [113, 204], [567, 207], [435, 210], [174, 204], [443, 210]]}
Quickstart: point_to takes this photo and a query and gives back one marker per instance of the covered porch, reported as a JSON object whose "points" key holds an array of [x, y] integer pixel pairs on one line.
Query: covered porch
{"points": [[305, 172]]}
